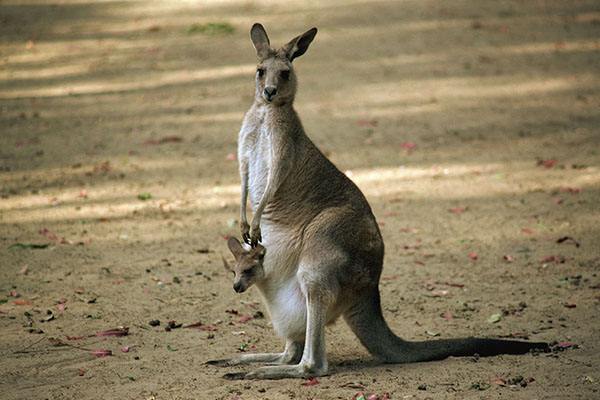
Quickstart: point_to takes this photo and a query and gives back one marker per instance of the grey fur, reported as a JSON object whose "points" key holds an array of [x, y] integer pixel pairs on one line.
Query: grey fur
{"points": [[324, 248]]}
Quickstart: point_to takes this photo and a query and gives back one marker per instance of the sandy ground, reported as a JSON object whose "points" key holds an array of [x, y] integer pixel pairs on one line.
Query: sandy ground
{"points": [[471, 126]]}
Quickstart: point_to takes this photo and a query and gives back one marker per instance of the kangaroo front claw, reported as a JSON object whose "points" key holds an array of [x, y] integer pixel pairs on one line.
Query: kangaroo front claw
{"points": [[245, 230]]}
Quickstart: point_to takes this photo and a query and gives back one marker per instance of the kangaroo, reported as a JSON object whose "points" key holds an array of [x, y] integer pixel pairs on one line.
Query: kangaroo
{"points": [[324, 250]]}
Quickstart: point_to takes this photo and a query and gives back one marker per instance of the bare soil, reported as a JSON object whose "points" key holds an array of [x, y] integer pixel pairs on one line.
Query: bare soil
{"points": [[471, 126]]}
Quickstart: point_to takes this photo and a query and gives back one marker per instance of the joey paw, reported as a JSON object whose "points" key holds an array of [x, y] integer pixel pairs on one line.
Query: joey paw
{"points": [[255, 236], [245, 230], [235, 376]]}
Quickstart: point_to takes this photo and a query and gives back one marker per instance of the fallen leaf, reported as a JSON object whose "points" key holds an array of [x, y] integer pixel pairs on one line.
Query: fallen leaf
{"points": [[81, 372], [231, 157], [211, 28], [144, 196], [569, 305], [549, 163], [508, 258], [171, 348], [22, 302], [457, 210], [447, 315], [163, 140], [571, 190], [408, 146], [565, 345], [568, 239], [29, 246], [310, 382], [473, 256], [367, 122], [553, 259], [527, 231], [121, 331], [61, 307], [24, 270], [354, 385], [452, 284], [101, 352], [499, 381], [438, 293], [202, 327], [494, 318], [245, 318]]}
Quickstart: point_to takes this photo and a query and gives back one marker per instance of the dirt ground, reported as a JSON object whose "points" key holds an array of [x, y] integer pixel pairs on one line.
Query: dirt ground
{"points": [[473, 128]]}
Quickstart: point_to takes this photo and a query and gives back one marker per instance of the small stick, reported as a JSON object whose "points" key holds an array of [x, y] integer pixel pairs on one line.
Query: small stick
{"points": [[26, 347]]}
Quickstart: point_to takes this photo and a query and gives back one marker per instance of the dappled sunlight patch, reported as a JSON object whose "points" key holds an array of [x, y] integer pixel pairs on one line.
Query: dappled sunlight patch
{"points": [[461, 181], [423, 90], [145, 81]]}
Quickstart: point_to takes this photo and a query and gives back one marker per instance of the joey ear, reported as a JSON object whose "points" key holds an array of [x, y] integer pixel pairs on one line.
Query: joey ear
{"points": [[260, 40], [298, 45], [235, 247]]}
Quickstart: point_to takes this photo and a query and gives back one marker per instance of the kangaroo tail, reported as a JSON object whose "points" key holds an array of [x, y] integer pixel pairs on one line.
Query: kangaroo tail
{"points": [[366, 321]]}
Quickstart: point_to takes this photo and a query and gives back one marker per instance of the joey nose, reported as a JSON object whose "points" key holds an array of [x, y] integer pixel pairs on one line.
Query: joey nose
{"points": [[238, 287], [270, 92]]}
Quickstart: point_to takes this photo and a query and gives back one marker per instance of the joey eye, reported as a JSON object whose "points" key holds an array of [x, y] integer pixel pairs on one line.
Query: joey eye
{"points": [[260, 72], [285, 75]]}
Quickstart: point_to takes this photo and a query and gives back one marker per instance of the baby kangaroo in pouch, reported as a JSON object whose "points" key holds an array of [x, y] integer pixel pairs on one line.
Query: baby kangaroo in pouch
{"points": [[324, 250]]}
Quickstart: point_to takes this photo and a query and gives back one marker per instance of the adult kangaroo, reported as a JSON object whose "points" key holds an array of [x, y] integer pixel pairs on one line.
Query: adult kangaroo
{"points": [[324, 251]]}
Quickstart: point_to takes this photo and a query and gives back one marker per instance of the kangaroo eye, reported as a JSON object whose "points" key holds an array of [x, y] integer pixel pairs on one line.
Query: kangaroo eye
{"points": [[260, 72], [285, 75]]}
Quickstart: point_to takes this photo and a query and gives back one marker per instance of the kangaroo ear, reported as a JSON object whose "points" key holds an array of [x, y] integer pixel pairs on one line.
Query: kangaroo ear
{"points": [[260, 40], [298, 45], [235, 247]]}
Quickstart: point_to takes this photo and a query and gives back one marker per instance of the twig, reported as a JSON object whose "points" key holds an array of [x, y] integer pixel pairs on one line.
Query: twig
{"points": [[26, 347]]}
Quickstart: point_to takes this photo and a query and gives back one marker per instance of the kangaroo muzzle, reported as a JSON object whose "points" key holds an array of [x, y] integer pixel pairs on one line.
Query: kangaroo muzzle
{"points": [[269, 92]]}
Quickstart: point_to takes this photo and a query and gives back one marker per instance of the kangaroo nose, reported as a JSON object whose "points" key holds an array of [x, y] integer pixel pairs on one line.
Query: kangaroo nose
{"points": [[270, 91]]}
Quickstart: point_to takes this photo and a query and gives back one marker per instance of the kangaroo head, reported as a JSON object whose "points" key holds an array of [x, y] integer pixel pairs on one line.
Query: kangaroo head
{"points": [[248, 268], [275, 77]]}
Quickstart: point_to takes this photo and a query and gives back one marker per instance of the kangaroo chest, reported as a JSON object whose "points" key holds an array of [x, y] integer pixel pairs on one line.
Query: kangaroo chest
{"points": [[258, 155]]}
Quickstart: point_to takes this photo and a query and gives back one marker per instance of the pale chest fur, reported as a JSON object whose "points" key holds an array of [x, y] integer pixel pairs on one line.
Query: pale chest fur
{"points": [[283, 296], [254, 148]]}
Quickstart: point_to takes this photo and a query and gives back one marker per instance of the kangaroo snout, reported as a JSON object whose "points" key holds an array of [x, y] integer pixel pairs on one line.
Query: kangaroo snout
{"points": [[270, 92]]}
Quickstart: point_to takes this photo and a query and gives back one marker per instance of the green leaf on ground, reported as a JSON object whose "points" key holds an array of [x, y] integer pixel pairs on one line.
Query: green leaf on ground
{"points": [[171, 348], [144, 196], [211, 28], [494, 318]]}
